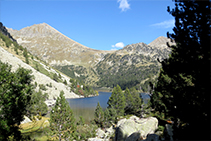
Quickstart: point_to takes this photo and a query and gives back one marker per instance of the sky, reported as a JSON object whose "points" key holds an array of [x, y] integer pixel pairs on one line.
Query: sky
{"points": [[98, 24]]}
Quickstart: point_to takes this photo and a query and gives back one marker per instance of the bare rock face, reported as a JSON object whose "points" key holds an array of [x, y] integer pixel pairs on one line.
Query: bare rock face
{"points": [[4, 31], [135, 128]]}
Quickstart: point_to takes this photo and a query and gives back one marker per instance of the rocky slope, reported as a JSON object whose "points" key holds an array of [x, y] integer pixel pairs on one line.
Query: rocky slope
{"points": [[53, 88], [134, 63]]}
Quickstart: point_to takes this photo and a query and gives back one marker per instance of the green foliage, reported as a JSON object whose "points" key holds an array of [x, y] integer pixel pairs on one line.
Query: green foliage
{"points": [[62, 121], [182, 91], [6, 39], [65, 82], [85, 131], [55, 77], [70, 69], [117, 100], [25, 54], [37, 104], [15, 91], [80, 88], [81, 121], [99, 115], [42, 87], [133, 102], [126, 76]]}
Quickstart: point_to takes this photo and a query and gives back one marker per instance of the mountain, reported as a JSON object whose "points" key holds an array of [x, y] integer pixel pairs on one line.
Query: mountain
{"points": [[50, 45], [43, 73], [134, 64], [161, 41]]}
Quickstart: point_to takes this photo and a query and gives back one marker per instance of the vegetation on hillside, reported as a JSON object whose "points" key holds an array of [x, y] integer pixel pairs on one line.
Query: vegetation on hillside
{"points": [[124, 74], [15, 90], [182, 92], [80, 88]]}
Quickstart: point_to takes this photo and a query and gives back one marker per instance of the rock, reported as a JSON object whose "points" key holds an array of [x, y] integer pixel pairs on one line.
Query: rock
{"points": [[169, 131], [100, 133], [96, 139], [135, 128], [26, 120], [134, 137], [152, 137], [109, 132]]}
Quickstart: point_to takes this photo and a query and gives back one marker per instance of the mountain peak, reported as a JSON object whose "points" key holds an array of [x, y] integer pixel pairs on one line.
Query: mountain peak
{"points": [[161, 41]]}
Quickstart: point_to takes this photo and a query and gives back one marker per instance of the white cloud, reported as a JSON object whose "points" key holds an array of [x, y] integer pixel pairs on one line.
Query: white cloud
{"points": [[164, 24], [123, 4], [118, 45]]}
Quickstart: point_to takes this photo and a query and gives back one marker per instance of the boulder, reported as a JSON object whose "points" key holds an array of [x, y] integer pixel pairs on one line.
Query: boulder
{"points": [[100, 133], [26, 120], [109, 132], [135, 128], [152, 137], [96, 139]]}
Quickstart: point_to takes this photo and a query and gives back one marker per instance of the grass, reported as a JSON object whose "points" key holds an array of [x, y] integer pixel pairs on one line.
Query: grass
{"points": [[35, 129]]}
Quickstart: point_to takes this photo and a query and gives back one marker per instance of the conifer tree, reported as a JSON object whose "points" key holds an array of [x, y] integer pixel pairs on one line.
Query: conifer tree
{"points": [[99, 115], [117, 100], [107, 119], [37, 104], [137, 102], [129, 102], [182, 91], [62, 121], [15, 95]]}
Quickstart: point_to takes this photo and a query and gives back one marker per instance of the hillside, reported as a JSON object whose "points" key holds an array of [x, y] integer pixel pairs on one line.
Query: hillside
{"points": [[132, 65], [43, 73]]}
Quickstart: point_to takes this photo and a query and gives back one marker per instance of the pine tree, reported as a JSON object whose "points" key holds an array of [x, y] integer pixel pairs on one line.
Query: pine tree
{"points": [[107, 119], [137, 102], [117, 101], [182, 90], [37, 104], [15, 95], [99, 115], [129, 102], [62, 121]]}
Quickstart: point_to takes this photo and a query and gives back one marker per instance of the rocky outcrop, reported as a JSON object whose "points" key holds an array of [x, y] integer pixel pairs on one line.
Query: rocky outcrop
{"points": [[4, 31], [135, 128], [132, 129]]}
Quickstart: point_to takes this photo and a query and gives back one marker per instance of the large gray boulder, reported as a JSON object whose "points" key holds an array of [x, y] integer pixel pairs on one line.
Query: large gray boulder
{"points": [[135, 128]]}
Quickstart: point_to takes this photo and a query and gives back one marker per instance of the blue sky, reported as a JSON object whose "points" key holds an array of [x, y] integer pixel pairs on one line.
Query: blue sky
{"points": [[98, 24]]}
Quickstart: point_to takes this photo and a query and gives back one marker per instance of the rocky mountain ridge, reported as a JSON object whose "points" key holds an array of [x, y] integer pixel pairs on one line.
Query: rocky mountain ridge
{"points": [[44, 41], [43, 82], [89, 65]]}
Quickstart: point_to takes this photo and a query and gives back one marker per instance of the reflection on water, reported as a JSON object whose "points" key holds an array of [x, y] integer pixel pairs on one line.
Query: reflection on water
{"points": [[85, 107]]}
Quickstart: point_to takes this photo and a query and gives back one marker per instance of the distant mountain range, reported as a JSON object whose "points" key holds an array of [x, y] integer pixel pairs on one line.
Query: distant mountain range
{"points": [[129, 66]]}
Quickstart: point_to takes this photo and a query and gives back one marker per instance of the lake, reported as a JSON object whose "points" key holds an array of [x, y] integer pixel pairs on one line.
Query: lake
{"points": [[85, 107]]}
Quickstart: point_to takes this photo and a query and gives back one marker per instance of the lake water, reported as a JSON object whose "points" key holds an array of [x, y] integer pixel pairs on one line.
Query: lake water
{"points": [[85, 107]]}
